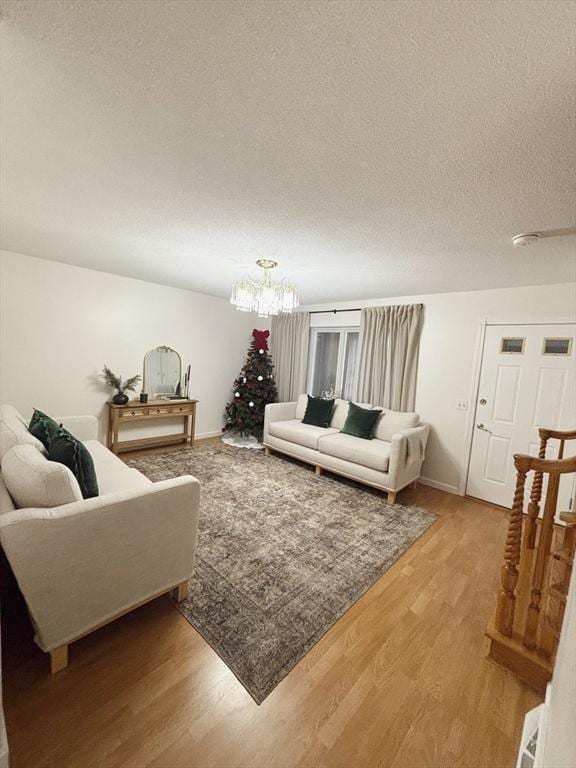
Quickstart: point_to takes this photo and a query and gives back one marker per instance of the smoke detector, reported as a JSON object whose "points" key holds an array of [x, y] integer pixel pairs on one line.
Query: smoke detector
{"points": [[521, 241]]}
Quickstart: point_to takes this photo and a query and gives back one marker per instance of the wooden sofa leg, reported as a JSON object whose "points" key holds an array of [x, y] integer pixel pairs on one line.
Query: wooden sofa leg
{"points": [[391, 497], [180, 592], [267, 451], [58, 659], [318, 470]]}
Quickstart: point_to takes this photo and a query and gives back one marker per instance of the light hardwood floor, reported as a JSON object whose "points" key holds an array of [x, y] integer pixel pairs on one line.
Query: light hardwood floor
{"points": [[399, 682]]}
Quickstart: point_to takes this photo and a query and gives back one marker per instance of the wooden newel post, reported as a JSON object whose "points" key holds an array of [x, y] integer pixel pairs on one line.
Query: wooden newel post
{"points": [[509, 574], [535, 497]]}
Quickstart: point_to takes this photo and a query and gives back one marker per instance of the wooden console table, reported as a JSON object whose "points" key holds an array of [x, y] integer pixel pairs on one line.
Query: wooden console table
{"points": [[155, 409]]}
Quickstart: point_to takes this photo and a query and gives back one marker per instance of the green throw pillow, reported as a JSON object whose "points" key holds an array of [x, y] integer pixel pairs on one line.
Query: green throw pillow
{"points": [[65, 449], [360, 422], [318, 411], [43, 427]]}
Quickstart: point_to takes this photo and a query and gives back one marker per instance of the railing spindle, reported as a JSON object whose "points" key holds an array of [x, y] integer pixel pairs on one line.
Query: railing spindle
{"points": [[535, 497], [509, 573], [542, 554]]}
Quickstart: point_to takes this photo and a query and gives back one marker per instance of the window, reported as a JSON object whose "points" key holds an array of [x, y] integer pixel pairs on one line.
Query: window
{"points": [[512, 346], [557, 346], [333, 362]]}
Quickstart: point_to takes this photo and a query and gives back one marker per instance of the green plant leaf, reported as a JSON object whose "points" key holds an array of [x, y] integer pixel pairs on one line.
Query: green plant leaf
{"points": [[130, 384], [113, 381]]}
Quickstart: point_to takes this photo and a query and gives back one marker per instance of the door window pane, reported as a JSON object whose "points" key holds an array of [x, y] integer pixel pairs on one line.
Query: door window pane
{"points": [[325, 364], [512, 346], [557, 346]]}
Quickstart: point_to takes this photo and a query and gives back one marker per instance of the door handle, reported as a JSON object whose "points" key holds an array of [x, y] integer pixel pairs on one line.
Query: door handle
{"points": [[482, 428]]}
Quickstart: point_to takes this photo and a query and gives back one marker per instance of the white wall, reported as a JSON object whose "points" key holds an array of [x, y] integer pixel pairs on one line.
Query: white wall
{"points": [[557, 739], [60, 324], [448, 352]]}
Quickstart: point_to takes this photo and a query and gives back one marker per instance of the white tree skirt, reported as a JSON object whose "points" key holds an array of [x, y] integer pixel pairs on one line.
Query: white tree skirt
{"points": [[242, 441]]}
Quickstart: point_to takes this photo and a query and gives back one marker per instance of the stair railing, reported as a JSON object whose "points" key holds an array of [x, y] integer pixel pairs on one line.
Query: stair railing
{"points": [[537, 632]]}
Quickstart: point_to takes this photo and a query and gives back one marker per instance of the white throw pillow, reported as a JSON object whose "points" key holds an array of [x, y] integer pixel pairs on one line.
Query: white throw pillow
{"points": [[13, 431], [339, 413], [34, 481], [301, 404], [391, 422], [6, 502], [10, 414]]}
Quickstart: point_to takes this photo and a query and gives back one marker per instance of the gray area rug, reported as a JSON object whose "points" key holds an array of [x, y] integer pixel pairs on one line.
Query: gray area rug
{"points": [[281, 554]]}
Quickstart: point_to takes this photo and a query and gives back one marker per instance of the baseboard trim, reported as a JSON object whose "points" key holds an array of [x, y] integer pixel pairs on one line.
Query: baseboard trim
{"points": [[205, 435], [440, 486]]}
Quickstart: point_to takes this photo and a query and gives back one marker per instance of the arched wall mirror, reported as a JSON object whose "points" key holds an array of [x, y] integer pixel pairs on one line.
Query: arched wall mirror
{"points": [[162, 372]]}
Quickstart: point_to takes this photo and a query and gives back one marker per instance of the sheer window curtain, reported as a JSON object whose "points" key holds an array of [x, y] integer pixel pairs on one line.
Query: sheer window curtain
{"points": [[289, 340], [389, 346]]}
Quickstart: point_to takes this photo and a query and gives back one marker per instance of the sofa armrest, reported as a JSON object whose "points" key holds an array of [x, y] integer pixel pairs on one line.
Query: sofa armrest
{"points": [[80, 564], [407, 453], [416, 440], [82, 427], [278, 412]]}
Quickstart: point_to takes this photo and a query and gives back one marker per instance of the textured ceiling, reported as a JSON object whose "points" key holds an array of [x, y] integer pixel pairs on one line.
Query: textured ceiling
{"points": [[373, 148]]}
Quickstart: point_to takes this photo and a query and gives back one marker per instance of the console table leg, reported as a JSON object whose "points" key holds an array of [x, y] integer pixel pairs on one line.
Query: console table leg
{"points": [[115, 435]]}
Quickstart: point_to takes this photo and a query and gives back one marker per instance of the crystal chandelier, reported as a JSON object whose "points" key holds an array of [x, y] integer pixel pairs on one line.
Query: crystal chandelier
{"points": [[265, 296]]}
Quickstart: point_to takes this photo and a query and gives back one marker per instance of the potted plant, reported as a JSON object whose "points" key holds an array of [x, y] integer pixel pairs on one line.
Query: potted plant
{"points": [[115, 382]]}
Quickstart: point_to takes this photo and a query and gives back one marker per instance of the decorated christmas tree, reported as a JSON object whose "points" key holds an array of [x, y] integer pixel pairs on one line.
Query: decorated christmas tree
{"points": [[254, 388]]}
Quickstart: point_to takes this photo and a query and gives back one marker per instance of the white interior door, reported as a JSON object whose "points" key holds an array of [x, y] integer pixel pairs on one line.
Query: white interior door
{"points": [[527, 381]]}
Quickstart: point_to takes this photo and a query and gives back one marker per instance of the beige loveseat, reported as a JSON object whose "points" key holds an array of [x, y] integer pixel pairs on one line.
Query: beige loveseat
{"points": [[83, 563], [390, 461]]}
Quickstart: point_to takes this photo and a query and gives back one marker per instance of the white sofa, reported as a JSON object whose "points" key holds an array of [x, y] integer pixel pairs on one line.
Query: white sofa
{"points": [[390, 461], [83, 563]]}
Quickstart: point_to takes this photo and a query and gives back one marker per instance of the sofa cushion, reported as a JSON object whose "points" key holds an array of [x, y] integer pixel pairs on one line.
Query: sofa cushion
{"points": [[391, 422], [318, 411], [122, 479], [103, 457], [360, 422], [13, 431], [113, 474], [65, 449], [294, 431], [43, 427], [33, 481], [368, 453]]}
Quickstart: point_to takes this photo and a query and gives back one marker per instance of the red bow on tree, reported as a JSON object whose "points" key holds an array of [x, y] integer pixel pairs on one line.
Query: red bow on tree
{"points": [[261, 339]]}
